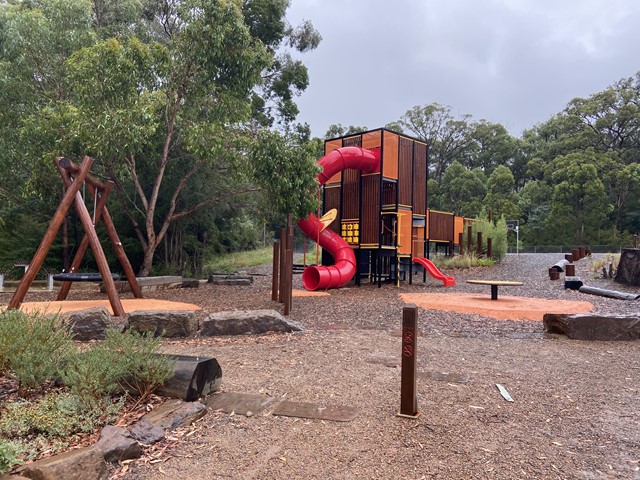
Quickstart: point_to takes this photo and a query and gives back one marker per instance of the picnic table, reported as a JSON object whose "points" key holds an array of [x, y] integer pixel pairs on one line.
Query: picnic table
{"points": [[495, 284]]}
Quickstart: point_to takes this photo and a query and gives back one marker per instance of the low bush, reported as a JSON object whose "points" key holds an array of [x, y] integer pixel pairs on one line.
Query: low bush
{"points": [[123, 362], [143, 370], [8, 456], [462, 261], [34, 347]]}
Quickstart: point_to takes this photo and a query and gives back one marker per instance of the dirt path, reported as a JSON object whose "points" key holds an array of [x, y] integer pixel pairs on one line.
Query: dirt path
{"points": [[574, 413]]}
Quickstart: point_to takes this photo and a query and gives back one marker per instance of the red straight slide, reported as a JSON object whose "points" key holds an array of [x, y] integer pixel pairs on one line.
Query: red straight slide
{"points": [[448, 280], [344, 268]]}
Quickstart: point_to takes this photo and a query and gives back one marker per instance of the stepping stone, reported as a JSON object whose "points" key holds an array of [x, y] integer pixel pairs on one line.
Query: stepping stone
{"points": [[335, 413], [239, 403]]}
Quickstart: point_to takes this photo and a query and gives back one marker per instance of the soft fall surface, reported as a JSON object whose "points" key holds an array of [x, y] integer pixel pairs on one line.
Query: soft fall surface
{"points": [[505, 308], [129, 305]]}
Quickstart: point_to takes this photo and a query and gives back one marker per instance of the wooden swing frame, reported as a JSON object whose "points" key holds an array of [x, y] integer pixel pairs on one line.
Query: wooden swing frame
{"points": [[73, 177]]}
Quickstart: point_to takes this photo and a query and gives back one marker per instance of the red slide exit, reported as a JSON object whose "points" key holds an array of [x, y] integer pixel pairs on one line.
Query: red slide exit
{"points": [[344, 268]]}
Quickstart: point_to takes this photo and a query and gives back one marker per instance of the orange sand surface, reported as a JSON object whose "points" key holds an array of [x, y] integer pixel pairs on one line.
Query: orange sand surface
{"points": [[307, 293], [129, 305], [505, 308]]}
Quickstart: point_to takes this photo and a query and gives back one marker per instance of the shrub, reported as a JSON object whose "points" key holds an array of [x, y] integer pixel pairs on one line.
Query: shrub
{"points": [[94, 374], [57, 414], [496, 231], [8, 456], [143, 370], [35, 347], [462, 261], [123, 362]]}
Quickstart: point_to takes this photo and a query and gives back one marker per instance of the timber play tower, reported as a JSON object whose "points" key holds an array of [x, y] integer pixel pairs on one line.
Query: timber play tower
{"points": [[375, 185]]}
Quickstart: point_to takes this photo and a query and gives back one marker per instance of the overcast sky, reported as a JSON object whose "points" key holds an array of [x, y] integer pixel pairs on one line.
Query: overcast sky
{"points": [[515, 62]]}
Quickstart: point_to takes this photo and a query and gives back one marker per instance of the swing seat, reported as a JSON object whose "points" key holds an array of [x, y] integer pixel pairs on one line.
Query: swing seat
{"points": [[82, 277]]}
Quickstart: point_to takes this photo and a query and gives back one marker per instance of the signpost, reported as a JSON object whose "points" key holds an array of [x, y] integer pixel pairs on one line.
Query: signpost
{"points": [[514, 226], [408, 400]]}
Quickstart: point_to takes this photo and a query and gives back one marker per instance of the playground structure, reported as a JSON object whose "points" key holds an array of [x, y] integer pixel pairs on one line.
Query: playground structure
{"points": [[73, 177], [376, 182]]}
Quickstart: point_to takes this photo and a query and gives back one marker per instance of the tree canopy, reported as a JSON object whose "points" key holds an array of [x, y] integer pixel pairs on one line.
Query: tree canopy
{"points": [[164, 95]]}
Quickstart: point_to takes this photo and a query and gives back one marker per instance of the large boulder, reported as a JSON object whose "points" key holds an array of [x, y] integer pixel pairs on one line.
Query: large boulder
{"points": [[243, 322], [81, 464], [88, 324], [164, 323], [593, 327]]}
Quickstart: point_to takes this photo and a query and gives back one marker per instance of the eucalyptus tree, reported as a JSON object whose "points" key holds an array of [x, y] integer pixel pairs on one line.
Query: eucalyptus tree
{"points": [[501, 198], [579, 203], [447, 137], [161, 93], [462, 190]]}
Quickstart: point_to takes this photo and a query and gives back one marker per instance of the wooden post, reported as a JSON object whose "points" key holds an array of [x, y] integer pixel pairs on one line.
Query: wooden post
{"points": [[98, 253], [450, 248], [84, 244], [275, 277], [50, 235], [97, 188], [283, 256], [408, 399], [469, 240], [289, 267], [479, 244], [460, 243], [489, 245]]}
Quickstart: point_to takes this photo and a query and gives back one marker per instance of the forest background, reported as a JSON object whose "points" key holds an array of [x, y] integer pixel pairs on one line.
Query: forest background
{"points": [[189, 107]]}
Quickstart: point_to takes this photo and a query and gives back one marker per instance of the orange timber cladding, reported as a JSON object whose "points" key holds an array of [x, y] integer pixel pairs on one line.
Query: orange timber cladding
{"points": [[389, 209]]}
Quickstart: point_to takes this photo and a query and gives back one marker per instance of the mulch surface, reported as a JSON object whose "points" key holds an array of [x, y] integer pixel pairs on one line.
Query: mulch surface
{"points": [[574, 413]]}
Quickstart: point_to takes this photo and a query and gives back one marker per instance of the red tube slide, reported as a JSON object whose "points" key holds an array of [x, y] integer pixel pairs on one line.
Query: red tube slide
{"points": [[344, 268]]}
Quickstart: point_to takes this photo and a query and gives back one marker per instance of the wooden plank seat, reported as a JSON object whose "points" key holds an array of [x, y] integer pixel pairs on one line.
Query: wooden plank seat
{"points": [[495, 284], [81, 277]]}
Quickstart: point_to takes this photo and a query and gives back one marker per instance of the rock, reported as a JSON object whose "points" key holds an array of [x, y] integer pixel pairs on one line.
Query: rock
{"points": [[176, 413], [628, 271], [247, 322], [560, 266], [193, 377], [190, 283], [88, 324], [164, 323], [574, 283], [232, 279], [593, 327], [117, 444], [81, 464], [146, 432]]}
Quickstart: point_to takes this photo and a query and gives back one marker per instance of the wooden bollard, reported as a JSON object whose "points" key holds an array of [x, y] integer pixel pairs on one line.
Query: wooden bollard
{"points": [[554, 274], [479, 244], [576, 254], [489, 248], [582, 251], [570, 270], [408, 399], [568, 257]]}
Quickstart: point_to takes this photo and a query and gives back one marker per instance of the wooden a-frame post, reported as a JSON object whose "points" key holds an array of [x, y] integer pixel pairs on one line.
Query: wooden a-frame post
{"points": [[72, 195]]}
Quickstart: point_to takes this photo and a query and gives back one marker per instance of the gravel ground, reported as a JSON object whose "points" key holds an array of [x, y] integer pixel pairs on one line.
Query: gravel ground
{"points": [[574, 413]]}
